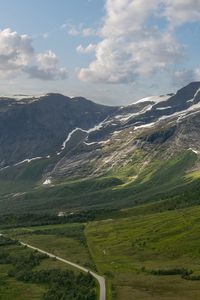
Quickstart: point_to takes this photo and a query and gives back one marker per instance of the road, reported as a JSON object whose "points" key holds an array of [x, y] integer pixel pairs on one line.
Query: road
{"points": [[100, 279]]}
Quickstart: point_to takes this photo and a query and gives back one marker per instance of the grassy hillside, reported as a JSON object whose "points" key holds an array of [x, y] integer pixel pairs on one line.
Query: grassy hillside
{"points": [[171, 181]]}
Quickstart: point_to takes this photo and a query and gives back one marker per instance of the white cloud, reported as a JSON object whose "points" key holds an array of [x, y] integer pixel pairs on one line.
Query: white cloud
{"points": [[131, 47], [197, 74], [47, 60], [79, 30], [85, 50], [47, 67], [72, 30], [17, 56], [128, 49], [89, 32], [181, 11], [15, 52], [185, 76], [125, 17], [45, 35]]}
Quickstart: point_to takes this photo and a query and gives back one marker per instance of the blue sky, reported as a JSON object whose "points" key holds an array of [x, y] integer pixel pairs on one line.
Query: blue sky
{"points": [[110, 51]]}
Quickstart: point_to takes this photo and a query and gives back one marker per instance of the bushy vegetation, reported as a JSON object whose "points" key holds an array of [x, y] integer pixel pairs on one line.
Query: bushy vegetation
{"points": [[183, 272], [83, 216], [5, 241], [60, 284]]}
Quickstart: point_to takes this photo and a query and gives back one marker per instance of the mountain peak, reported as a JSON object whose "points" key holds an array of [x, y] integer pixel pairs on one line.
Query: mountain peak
{"points": [[189, 90]]}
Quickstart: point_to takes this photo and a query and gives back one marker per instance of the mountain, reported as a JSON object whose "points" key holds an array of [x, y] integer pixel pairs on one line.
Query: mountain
{"points": [[151, 123], [37, 127], [59, 153]]}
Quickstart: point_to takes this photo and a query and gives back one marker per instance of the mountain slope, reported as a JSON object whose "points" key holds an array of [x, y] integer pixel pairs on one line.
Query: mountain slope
{"points": [[114, 157], [37, 127]]}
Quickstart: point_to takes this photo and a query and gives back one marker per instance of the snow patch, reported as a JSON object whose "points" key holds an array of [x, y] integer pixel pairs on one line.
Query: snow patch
{"points": [[183, 113], [89, 144], [24, 97], [116, 132], [61, 214], [126, 117], [192, 100], [27, 160], [95, 128], [69, 137], [47, 181], [104, 142], [163, 108], [155, 99], [195, 151], [144, 126], [196, 93], [4, 168]]}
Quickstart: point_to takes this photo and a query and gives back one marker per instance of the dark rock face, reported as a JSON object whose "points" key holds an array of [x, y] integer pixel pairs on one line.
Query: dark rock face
{"points": [[37, 128], [160, 136]]}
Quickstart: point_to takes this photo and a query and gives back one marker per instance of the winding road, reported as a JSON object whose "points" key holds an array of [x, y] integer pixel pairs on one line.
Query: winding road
{"points": [[100, 279]]}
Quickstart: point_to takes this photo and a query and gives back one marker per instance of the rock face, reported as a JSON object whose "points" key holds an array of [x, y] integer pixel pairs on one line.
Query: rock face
{"points": [[96, 139], [37, 127]]}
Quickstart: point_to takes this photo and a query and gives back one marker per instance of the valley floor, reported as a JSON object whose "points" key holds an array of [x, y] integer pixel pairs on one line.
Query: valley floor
{"points": [[155, 256], [130, 250]]}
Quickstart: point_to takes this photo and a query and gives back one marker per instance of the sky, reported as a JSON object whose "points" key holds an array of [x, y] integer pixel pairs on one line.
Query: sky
{"points": [[110, 51]]}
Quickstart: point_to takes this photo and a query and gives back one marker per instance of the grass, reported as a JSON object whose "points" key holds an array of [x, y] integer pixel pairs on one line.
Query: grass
{"points": [[65, 240], [154, 225], [157, 181], [127, 249], [10, 288]]}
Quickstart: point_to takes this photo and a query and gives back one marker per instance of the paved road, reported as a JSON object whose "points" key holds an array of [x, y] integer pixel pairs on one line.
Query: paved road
{"points": [[100, 279]]}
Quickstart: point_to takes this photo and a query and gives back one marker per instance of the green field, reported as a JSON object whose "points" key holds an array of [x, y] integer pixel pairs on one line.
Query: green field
{"points": [[65, 240], [130, 250], [127, 250]]}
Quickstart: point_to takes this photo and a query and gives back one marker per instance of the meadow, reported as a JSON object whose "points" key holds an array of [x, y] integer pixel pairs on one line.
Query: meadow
{"points": [[129, 250], [144, 253]]}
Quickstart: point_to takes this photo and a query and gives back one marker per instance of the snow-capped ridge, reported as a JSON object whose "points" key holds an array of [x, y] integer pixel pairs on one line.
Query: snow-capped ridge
{"points": [[155, 99]]}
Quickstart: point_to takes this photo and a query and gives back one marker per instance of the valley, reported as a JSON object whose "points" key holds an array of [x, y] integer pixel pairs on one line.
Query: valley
{"points": [[115, 190], [129, 249]]}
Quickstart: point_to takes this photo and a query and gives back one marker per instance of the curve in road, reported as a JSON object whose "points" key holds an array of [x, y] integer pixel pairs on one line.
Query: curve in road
{"points": [[100, 279]]}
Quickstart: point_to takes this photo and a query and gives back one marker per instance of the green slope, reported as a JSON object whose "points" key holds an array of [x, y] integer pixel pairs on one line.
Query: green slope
{"points": [[171, 181]]}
